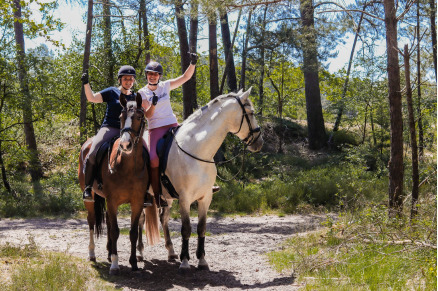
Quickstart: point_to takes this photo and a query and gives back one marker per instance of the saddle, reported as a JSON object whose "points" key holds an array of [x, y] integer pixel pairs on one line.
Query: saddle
{"points": [[163, 148], [103, 151]]}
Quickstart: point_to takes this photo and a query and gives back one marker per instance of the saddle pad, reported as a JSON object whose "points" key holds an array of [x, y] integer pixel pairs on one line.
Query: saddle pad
{"points": [[163, 148]]}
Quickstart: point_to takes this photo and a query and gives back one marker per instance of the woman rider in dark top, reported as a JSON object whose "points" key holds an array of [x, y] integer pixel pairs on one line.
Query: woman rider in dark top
{"points": [[111, 123]]}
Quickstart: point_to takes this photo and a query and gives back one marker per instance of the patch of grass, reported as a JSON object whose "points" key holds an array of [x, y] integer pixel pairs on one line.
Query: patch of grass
{"points": [[366, 251], [28, 268]]}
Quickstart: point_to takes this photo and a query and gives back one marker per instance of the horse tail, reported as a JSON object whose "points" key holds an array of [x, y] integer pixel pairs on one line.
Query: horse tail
{"points": [[151, 225], [99, 210]]}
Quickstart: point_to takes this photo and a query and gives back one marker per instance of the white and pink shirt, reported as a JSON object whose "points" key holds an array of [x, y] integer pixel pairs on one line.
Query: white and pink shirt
{"points": [[163, 114]]}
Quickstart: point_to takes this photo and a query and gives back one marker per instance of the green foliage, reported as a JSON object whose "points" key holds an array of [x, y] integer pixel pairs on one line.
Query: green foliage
{"points": [[30, 268], [366, 250]]}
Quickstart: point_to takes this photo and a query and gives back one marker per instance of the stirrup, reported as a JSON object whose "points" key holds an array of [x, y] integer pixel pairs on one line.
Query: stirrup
{"points": [[86, 195], [148, 200], [162, 202]]}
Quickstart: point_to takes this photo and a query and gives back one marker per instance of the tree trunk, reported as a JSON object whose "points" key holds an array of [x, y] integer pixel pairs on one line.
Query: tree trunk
{"points": [[107, 44], [85, 67], [193, 44], [214, 69], [144, 17], [262, 63], [36, 171], [433, 30], [189, 87], [395, 108], [2, 165], [420, 120], [415, 175], [245, 52], [315, 121], [347, 78], [230, 70]]}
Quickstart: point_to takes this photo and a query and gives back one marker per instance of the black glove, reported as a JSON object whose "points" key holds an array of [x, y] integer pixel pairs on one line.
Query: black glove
{"points": [[154, 99], [84, 78], [193, 58]]}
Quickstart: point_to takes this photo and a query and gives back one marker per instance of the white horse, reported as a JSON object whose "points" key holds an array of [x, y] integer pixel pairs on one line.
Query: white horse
{"points": [[191, 168]]}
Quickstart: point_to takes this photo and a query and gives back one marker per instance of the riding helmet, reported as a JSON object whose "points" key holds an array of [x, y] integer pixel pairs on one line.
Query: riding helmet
{"points": [[154, 67], [126, 71]]}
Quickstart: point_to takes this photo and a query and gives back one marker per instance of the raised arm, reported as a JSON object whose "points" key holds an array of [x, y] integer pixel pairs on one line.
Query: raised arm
{"points": [[175, 83], [95, 98]]}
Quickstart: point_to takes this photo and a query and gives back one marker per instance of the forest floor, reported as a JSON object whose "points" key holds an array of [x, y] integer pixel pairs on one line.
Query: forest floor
{"points": [[235, 249]]}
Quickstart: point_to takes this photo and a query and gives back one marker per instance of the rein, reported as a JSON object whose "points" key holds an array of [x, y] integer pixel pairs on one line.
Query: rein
{"points": [[250, 137], [137, 135]]}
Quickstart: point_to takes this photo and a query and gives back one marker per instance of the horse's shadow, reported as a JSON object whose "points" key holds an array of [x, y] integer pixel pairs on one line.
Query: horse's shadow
{"points": [[164, 275]]}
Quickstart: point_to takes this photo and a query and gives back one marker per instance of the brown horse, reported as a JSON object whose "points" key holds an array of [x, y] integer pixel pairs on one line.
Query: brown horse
{"points": [[125, 179]]}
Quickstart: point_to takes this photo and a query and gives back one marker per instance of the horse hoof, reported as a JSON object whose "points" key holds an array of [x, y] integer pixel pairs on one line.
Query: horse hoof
{"points": [[172, 258], [115, 272], [139, 258], [135, 269], [92, 259]]}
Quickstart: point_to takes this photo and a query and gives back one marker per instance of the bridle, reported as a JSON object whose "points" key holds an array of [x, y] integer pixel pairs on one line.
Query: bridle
{"points": [[250, 139], [132, 132], [137, 134]]}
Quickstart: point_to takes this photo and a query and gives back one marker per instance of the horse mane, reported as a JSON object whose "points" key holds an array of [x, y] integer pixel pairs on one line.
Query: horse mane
{"points": [[198, 114]]}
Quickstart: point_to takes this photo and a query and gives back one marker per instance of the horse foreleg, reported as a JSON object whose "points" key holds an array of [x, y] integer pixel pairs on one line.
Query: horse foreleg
{"points": [[136, 210], [91, 219], [186, 230], [164, 219], [140, 245], [113, 234], [203, 205]]}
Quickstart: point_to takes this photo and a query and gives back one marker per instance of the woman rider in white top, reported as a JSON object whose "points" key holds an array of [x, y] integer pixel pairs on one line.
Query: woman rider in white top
{"points": [[159, 113]]}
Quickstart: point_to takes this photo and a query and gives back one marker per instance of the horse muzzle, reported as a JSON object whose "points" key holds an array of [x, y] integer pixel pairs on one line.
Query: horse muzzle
{"points": [[126, 143]]}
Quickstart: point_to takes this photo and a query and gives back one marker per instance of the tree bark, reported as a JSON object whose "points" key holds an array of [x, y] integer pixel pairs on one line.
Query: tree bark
{"points": [[35, 169], [85, 67], [433, 30], [230, 69], [262, 63], [315, 121], [107, 44], [144, 17], [347, 78], [2, 165], [193, 45], [415, 174], [245, 51], [420, 120], [189, 87], [214, 69], [396, 169]]}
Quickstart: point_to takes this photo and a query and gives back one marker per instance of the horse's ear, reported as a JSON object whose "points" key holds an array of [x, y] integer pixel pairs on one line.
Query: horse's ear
{"points": [[122, 100], [240, 92], [245, 95], [139, 100]]}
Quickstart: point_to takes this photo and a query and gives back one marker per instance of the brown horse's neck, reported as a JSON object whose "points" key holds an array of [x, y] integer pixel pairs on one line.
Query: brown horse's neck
{"points": [[128, 161]]}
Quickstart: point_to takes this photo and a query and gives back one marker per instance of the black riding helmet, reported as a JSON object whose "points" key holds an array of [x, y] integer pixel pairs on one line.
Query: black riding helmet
{"points": [[126, 71], [154, 67]]}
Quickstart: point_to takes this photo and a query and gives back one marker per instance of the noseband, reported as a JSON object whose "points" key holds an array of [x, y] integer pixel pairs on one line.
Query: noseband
{"points": [[131, 131], [250, 139]]}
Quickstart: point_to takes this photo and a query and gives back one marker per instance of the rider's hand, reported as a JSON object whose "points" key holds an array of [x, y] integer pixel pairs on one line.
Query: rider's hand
{"points": [[193, 58], [154, 99], [84, 78]]}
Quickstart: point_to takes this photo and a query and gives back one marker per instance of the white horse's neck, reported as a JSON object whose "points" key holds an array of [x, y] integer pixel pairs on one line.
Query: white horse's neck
{"points": [[202, 135]]}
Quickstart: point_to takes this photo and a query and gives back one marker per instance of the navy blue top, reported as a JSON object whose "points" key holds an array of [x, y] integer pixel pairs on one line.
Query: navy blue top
{"points": [[113, 108]]}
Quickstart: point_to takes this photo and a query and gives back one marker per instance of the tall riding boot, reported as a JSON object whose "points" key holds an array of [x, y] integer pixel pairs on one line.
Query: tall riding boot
{"points": [[156, 186], [89, 179]]}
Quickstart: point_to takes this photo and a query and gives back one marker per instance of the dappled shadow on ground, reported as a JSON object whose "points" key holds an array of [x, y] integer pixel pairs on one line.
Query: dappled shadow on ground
{"points": [[164, 275]]}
